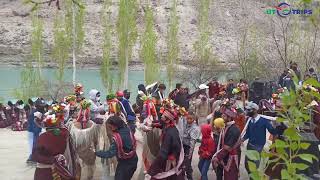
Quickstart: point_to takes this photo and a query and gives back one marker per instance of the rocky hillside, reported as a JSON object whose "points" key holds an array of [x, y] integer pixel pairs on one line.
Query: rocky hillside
{"points": [[226, 19]]}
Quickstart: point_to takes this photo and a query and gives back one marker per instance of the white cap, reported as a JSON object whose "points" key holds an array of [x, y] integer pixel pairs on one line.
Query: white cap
{"points": [[203, 86], [37, 114]]}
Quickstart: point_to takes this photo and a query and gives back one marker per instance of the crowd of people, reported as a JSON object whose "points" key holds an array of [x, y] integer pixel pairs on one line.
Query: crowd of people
{"points": [[218, 117]]}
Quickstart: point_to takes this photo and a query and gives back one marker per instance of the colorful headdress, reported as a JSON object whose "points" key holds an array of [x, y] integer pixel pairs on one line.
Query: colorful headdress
{"points": [[169, 114], [58, 110], [236, 90], [84, 113], [145, 98], [111, 97], [113, 104], [167, 104], [78, 89], [182, 111], [230, 112], [51, 121], [70, 98]]}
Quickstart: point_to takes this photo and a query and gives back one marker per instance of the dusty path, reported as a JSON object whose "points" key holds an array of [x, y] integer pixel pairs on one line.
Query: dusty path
{"points": [[14, 152]]}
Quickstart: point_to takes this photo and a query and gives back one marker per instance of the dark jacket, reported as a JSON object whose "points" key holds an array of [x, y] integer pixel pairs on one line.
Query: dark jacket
{"points": [[181, 99], [129, 111], [32, 127], [256, 132]]}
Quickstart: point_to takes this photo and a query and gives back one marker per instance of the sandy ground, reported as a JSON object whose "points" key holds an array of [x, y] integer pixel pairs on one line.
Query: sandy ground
{"points": [[14, 153]]}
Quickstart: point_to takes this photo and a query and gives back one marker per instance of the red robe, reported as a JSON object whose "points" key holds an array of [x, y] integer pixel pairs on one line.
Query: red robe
{"points": [[47, 147]]}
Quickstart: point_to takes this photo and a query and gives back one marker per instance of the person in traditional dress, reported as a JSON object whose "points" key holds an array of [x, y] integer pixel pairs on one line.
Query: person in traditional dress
{"points": [[168, 162], [228, 151], [240, 120], [123, 147], [3, 119], [78, 92], [191, 134], [217, 126], [206, 150], [214, 89], [49, 152], [256, 131]]}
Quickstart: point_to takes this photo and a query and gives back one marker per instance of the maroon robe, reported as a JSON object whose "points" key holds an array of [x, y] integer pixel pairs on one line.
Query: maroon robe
{"points": [[214, 89], [230, 138], [47, 147], [170, 148]]}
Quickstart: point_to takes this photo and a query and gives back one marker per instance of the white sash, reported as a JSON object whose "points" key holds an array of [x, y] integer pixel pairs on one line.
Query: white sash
{"points": [[174, 170]]}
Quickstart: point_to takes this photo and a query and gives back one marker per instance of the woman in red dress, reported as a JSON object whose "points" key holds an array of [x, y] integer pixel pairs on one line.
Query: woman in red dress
{"points": [[49, 150]]}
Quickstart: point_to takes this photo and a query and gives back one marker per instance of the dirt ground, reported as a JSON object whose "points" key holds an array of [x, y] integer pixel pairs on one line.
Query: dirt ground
{"points": [[14, 153]]}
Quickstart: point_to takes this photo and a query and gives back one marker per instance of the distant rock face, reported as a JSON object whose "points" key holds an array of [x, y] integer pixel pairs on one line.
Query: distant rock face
{"points": [[226, 20]]}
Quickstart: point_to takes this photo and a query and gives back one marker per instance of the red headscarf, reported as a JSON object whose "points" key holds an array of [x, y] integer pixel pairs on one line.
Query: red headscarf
{"points": [[208, 146]]}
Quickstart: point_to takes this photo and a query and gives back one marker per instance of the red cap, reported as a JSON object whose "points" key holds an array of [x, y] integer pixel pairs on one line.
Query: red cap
{"points": [[119, 94]]}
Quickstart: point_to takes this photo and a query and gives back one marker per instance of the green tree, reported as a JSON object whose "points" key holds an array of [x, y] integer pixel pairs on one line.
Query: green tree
{"points": [[248, 55], [148, 52], [105, 69], [127, 35], [61, 46], [37, 41], [202, 47], [32, 84], [172, 43], [74, 22], [203, 68]]}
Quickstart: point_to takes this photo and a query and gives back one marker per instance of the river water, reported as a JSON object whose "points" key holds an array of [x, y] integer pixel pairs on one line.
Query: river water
{"points": [[90, 78]]}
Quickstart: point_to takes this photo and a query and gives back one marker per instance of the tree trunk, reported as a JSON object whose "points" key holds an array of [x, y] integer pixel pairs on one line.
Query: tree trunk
{"points": [[73, 46], [126, 71]]}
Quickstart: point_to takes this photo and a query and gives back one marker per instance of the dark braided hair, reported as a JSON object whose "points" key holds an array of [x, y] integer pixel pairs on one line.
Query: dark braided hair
{"points": [[116, 121]]}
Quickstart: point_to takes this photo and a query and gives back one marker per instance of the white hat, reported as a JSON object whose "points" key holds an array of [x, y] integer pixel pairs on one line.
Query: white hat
{"points": [[203, 86], [37, 114]]}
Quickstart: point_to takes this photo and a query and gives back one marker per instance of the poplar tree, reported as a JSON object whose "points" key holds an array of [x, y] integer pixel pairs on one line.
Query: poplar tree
{"points": [[32, 84], [61, 46], [172, 43], [105, 69], [127, 35], [74, 22], [148, 52], [202, 47]]}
